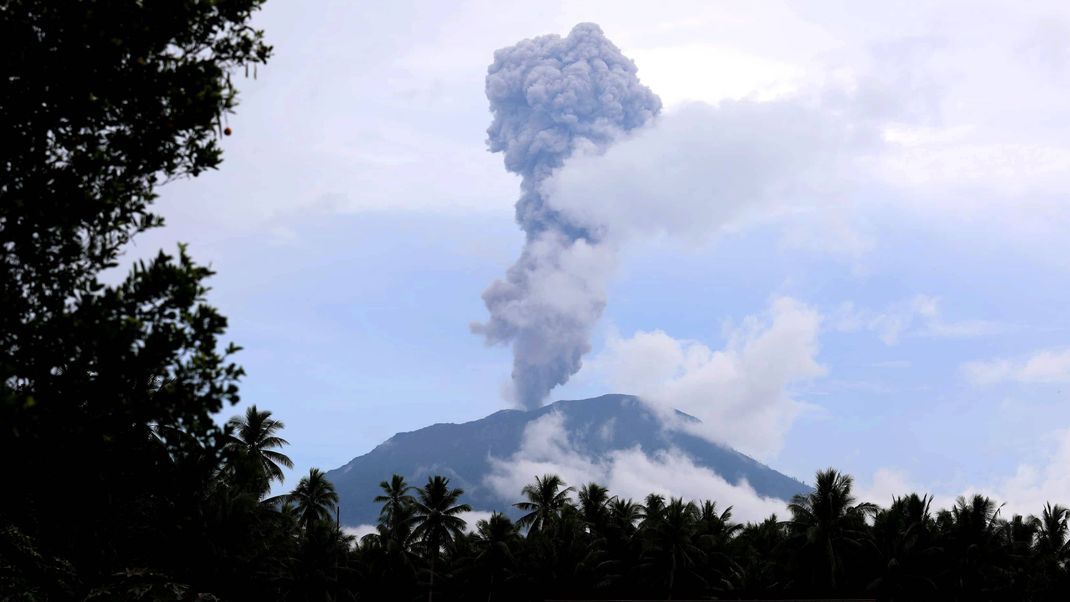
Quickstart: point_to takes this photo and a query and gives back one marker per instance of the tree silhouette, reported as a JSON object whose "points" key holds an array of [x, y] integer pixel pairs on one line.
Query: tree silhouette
{"points": [[829, 524], [670, 553], [437, 523], [254, 440], [1052, 530], [398, 510], [903, 541], [113, 385], [497, 540], [314, 499], [972, 536], [594, 505], [545, 500]]}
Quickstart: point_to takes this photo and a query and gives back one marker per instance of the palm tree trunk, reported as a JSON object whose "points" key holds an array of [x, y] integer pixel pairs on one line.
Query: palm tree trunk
{"points": [[431, 585], [672, 574], [831, 553]]}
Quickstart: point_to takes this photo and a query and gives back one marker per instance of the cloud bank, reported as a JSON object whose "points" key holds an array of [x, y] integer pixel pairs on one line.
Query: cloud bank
{"points": [[1025, 492], [546, 448], [741, 392]]}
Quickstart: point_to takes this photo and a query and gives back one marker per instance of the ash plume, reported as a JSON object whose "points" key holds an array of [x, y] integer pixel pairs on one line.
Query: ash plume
{"points": [[549, 97]]}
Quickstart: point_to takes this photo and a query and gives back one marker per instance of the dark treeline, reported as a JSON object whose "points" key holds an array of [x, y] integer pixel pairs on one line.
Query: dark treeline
{"points": [[567, 543], [589, 544], [122, 483]]}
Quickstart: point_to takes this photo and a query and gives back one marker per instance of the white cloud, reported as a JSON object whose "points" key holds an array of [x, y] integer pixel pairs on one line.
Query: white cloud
{"points": [[473, 517], [920, 316], [1024, 493], [700, 169], [887, 484], [546, 449], [359, 531], [740, 393], [1032, 486], [470, 518], [1042, 367], [670, 71]]}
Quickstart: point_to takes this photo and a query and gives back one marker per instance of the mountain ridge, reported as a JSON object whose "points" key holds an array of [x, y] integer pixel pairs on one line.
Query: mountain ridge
{"points": [[597, 426]]}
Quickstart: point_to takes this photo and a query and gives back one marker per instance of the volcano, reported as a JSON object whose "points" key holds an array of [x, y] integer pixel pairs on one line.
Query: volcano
{"points": [[596, 427]]}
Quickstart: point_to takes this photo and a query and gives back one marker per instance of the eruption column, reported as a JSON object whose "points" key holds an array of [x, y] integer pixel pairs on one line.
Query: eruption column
{"points": [[549, 97]]}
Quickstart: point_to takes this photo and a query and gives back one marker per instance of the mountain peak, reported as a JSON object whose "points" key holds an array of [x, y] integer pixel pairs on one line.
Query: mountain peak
{"points": [[596, 428]]}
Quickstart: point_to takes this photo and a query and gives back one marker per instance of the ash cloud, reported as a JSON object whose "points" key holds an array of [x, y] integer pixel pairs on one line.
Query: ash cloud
{"points": [[551, 97]]}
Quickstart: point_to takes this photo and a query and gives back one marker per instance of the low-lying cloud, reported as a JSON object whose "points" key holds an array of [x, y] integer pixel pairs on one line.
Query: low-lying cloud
{"points": [[546, 448], [470, 518], [741, 392], [1025, 492]]}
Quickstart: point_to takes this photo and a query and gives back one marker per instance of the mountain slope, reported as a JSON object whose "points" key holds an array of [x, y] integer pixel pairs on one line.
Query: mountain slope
{"points": [[596, 427]]}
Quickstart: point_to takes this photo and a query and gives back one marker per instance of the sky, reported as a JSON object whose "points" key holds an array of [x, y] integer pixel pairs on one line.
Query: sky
{"points": [[839, 243]]}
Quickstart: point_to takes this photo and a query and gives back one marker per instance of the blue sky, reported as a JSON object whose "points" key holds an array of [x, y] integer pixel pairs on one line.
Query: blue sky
{"points": [[915, 257]]}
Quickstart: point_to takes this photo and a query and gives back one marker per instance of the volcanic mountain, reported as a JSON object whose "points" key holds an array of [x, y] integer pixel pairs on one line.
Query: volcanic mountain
{"points": [[596, 427]]}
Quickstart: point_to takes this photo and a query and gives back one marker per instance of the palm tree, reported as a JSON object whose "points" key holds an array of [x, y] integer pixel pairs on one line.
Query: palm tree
{"points": [[623, 514], [828, 520], [496, 539], [903, 539], [314, 498], [254, 437], [594, 505], [972, 532], [437, 523], [1018, 535], [653, 509], [670, 542], [758, 557], [1052, 548], [546, 498], [397, 512], [1052, 530], [715, 527]]}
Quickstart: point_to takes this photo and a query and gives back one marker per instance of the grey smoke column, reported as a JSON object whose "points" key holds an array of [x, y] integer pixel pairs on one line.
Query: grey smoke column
{"points": [[551, 96]]}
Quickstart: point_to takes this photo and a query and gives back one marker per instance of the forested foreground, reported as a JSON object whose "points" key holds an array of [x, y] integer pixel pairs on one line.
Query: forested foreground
{"points": [[227, 538]]}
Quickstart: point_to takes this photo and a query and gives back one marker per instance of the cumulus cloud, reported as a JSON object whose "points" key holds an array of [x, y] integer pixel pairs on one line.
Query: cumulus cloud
{"points": [[546, 448], [1042, 367], [741, 392]]}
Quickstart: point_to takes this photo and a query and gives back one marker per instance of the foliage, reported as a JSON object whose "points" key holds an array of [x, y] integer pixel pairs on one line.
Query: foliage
{"points": [[598, 546], [108, 391], [253, 440]]}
